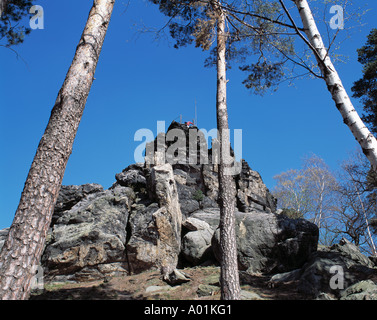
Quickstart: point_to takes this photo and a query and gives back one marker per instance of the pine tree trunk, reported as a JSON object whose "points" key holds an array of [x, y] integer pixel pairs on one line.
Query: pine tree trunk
{"points": [[25, 242], [230, 287], [351, 118]]}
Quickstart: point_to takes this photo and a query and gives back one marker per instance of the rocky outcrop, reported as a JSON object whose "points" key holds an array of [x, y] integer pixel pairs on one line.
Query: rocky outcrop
{"points": [[337, 272], [195, 170], [137, 223], [252, 193], [266, 242], [87, 241], [159, 244], [344, 258], [3, 235], [158, 216], [196, 243]]}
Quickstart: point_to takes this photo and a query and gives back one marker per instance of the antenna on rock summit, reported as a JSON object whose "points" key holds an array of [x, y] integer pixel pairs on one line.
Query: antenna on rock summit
{"points": [[196, 116]]}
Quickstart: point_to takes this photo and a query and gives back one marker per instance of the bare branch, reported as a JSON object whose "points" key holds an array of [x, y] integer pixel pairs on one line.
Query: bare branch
{"points": [[302, 64], [307, 42]]}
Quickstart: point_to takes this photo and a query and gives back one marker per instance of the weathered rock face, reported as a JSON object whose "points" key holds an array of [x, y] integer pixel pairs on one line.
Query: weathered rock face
{"points": [[315, 276], [169, 217], [337, 272], [71, 195], [252, 193], [136, 224], [363, 290], [155, 239], [267, 242], [196, 243], [87, 241], [192, 173], [97, 233], [3, 235]]}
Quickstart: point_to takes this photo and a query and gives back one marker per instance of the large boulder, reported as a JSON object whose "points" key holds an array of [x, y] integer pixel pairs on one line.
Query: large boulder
{"points": [[196, 243], [87, 241], [71, 195], [133, 176], [3, 236], [363, 290], [267, 242], [337, 272], [343, 262]]}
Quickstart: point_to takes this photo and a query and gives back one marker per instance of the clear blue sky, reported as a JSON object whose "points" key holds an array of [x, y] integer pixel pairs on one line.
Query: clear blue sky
{"points": [[139, 82]]}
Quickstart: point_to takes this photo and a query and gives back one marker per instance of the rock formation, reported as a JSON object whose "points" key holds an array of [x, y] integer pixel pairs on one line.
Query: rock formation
{"points": [[87, 239], [162, 244], [338, 272], [152, 217], [269, 243], [163, 215]]}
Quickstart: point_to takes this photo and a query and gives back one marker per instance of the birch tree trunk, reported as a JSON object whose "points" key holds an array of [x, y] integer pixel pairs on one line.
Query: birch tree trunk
{"points": [[230, 287], [25, 242], [362, 134], [3, 5]]}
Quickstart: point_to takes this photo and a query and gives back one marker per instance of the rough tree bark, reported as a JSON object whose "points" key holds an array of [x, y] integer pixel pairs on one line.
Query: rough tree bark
{"points": [[334, 84], [230, 287], [25, 242]]}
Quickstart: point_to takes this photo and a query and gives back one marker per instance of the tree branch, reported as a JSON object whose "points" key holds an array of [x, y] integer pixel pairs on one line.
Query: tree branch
{"points": [[254, 15], [307, 42], [302, 64]]}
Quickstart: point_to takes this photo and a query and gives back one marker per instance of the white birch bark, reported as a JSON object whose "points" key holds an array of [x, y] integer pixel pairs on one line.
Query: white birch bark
{"points": [[3, 5], [334, 84], [370, 242]]}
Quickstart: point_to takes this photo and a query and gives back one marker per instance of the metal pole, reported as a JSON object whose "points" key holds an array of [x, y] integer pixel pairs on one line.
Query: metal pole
{"points": [[196, 116]]}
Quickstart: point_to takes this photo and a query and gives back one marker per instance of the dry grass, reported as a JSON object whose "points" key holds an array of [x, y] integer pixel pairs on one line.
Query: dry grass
{"points": [[134, 287]]}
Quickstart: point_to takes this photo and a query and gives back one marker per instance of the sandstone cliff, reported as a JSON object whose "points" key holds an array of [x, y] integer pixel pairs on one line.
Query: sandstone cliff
{"points": [[165, 216]]}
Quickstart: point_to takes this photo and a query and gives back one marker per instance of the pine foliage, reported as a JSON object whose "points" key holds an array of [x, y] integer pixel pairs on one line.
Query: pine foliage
{"points": [[12, 28]]}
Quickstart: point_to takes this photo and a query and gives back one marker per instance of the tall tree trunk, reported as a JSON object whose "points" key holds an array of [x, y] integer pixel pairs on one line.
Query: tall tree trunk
{"points": [[230, 287], [25, 242], [351, 118]]}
